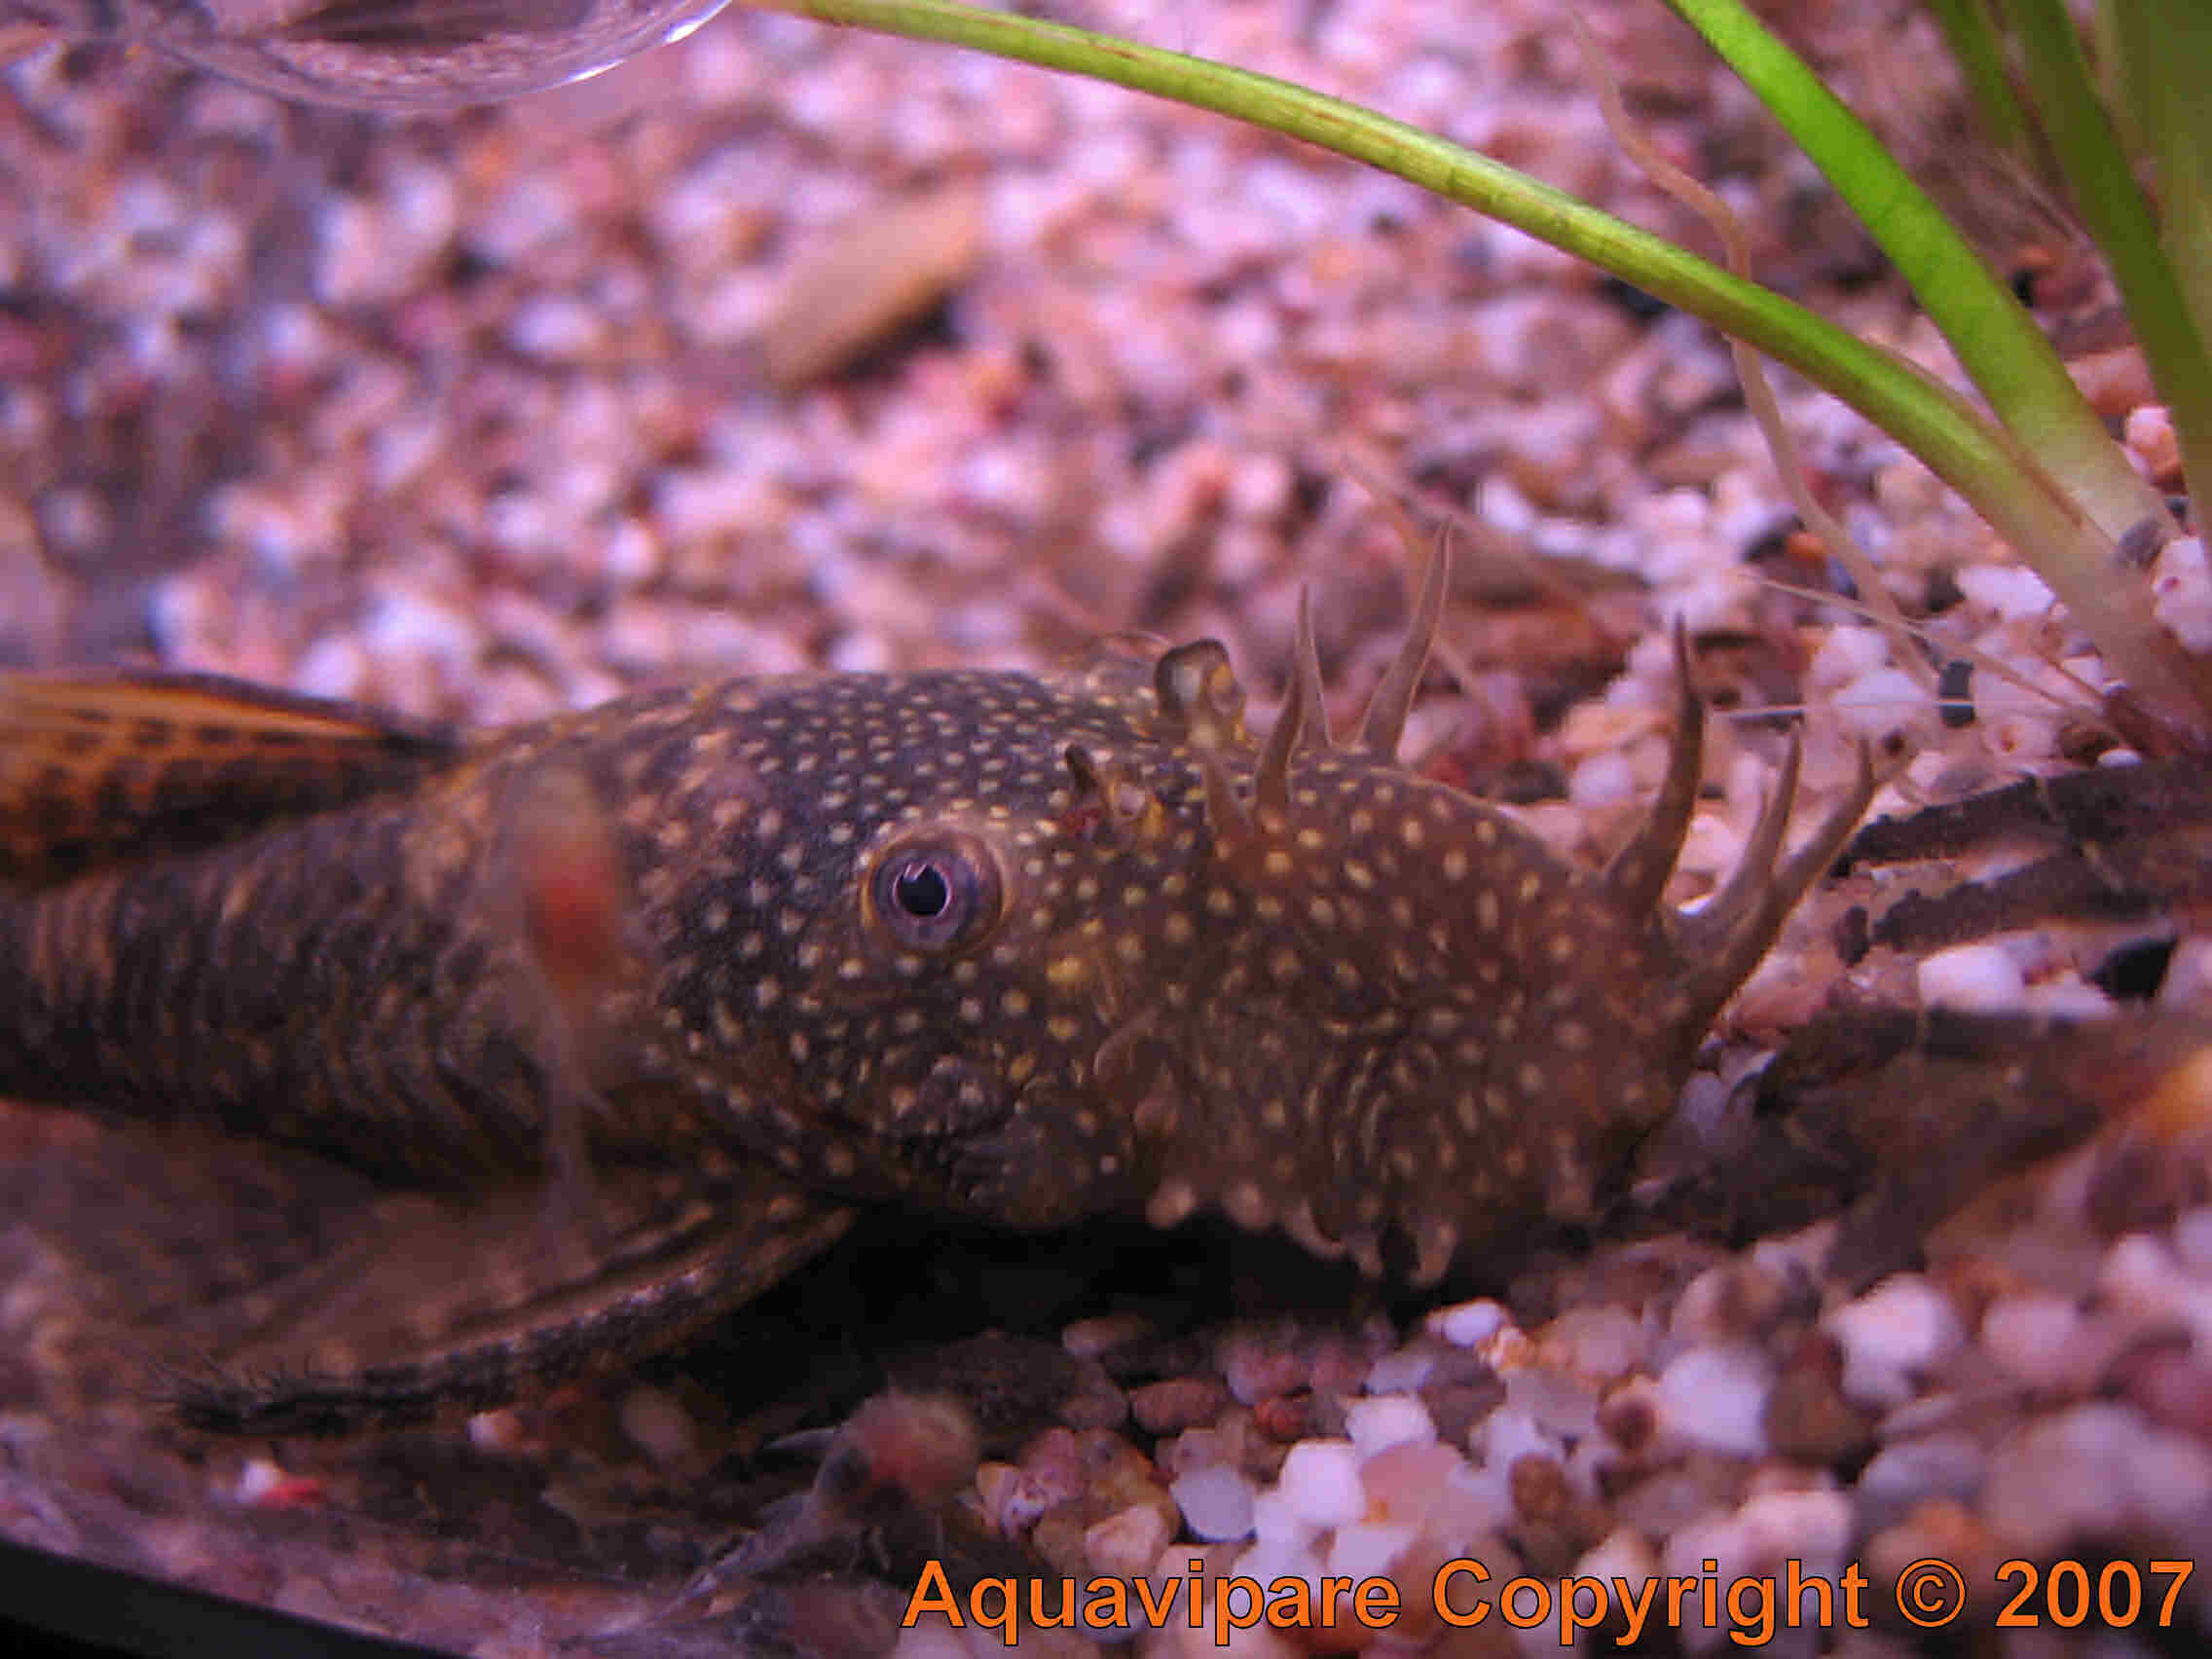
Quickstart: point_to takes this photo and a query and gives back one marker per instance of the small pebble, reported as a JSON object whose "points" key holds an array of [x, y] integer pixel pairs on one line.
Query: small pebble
{"points": [[1845, 655], [1368, 1550], [2097, 1470], [1125, 1543], [1320, 1481], [1216, 1502], [1259, 1366], [2149, 433], [1183, 1402], [1467, 1325], [1973, 978], [1900, 1330], [1715, 1397], [2192, 1240], [1380, 1422], [1596, 1342], [657, 1423], [2013, 592], [2032, 1335], [1807, 1416], [1883, 706], [264, 1485], [1409, 1481], [2181, 592], [1014, 1498], [2140, 1276], [1944, 1464], [1404, 1370]]}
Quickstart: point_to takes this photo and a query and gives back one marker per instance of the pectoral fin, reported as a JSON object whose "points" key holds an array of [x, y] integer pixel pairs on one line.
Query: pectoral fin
{"points": [[435, 1308], [272, 1292]]}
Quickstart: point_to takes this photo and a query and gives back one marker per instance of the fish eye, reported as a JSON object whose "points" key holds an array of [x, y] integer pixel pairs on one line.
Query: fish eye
{"points": [[938, 893]]}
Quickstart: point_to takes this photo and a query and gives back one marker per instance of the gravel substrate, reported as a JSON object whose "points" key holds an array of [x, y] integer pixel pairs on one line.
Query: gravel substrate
{"points": [[792, 348]]}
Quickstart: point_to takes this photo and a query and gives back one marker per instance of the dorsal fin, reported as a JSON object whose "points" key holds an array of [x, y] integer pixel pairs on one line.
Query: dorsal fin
{"points": [[101, 768]]}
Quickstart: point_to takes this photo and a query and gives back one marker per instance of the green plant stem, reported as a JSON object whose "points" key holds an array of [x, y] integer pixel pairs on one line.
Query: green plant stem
{"points": [[2165, 47], [1995, 473], [1997, 342], [2105, 194], [1979, 51]]}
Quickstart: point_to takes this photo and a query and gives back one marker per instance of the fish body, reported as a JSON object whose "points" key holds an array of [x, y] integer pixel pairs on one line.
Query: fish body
{"points": [[1024, 949]]}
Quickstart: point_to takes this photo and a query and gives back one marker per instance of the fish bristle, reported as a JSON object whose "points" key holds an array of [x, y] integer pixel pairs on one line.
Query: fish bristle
{"points": [[1638, 874], [1384, 722]]}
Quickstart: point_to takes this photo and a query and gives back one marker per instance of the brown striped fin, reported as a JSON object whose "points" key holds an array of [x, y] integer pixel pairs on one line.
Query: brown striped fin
{"points": [[100, 767], [430, 1309], [427, 26]]}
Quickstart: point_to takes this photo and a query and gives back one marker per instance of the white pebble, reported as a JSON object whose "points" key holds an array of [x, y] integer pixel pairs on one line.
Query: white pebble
{"points": [[2187, 985], [1712, 846], [2139, 1274], [2031, 1334], [1951, 1464], [404, 619], [2149, 433], [1557, 1401], [1900, 1330], [1975, 979], [1125, 1543], [2016, 736], [658, 1426], [1508, 1433], [2181, 592], [1384, 1421], [1596, 1343], [2012, 592], [1271, 1559], [258, 1479], [1603, 780], [1321, 1479], [700, 505], [1844, 655], [556, 328], [1814, 1527], [1881, 704], [1369, 1550], [533, 212], [632, 557], [1715, 1397], [2068, 996], [2096, 1471], [334, 666], [1278, 1520], [1623, 1554], [1468, 1324], [402, 451], [1216, 1502], [1407, 1482], [1402, 1371], [2192, 1240]]}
